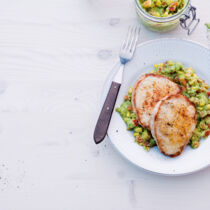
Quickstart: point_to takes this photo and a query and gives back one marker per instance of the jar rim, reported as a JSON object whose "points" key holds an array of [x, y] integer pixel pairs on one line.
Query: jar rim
{"points": [[161, 19]]}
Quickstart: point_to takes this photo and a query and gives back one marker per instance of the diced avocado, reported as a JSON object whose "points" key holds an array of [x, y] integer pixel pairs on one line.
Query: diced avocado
{"points": [[146, 135], [194, 88], [162, 8], [208, 25], [152, 142], [138, 129]]}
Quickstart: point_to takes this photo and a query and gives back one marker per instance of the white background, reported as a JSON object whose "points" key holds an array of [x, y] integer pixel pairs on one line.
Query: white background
{"points": [[54, 58]]}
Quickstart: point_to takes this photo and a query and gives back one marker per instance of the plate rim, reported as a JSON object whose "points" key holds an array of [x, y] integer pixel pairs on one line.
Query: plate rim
{"points": [[106, 87]]}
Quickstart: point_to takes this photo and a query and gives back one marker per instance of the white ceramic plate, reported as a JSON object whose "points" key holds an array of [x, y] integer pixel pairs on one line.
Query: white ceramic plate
{"points": [[189, 54]]}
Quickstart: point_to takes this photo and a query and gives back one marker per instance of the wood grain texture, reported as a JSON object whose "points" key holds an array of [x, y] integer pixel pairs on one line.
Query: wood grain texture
{"points": [[54, 58], [106, 113]]}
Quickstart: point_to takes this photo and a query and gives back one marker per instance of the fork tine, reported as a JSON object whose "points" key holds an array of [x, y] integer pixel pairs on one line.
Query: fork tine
{"points": [[135, 40], [132, 39], [129, 44], [125, 40], [129, 38]]}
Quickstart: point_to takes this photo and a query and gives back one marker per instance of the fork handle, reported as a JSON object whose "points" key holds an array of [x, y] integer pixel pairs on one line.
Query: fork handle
{"points": [[106, 113]]}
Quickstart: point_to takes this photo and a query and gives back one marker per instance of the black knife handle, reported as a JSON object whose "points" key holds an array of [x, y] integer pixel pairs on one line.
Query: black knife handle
{"points": [[106, 113]]}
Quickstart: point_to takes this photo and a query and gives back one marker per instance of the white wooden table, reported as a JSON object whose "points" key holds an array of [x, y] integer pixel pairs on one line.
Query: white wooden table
{"points": [[54, 58]]}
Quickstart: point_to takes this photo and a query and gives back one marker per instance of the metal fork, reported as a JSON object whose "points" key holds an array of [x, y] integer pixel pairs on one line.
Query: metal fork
{"points": [[126, 54]]}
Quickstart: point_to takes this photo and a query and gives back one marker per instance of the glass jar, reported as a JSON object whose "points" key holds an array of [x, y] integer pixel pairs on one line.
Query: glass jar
{"points": [[186, 17], [208, 34]]}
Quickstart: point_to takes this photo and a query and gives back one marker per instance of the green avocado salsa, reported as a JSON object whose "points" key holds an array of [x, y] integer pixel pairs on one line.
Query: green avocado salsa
{"points": [[142, 136], [192, 87], [208, 25], [162, 8]]}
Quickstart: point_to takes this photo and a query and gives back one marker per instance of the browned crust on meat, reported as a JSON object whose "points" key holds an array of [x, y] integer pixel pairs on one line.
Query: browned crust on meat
{"points": [[194, 118], [134, 94], [176, 154], [177, 96]]}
